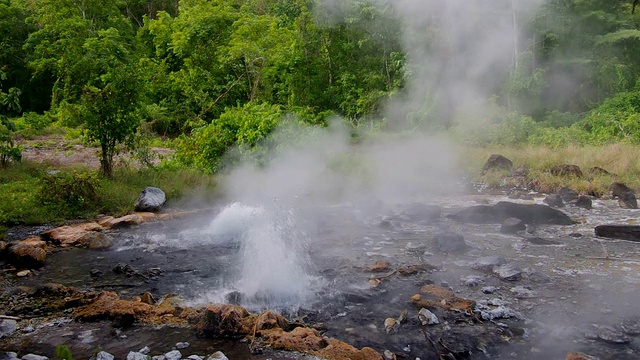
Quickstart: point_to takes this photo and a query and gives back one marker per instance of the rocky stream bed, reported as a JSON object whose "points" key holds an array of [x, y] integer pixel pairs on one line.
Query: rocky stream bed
{"points": [[439, 278]]}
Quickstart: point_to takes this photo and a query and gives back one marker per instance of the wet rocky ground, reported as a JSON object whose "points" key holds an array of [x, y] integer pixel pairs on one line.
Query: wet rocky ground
{"points": [[541, 292]]}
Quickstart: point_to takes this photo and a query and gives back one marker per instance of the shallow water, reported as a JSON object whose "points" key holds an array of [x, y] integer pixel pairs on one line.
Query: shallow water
{"points": [[310, 263]]}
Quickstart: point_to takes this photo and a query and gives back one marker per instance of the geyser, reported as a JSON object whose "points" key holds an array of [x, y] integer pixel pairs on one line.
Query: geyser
{"points": [[275, 270]]}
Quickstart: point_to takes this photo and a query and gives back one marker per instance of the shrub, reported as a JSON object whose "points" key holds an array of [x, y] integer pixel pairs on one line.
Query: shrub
{"points": [[71, 192]]}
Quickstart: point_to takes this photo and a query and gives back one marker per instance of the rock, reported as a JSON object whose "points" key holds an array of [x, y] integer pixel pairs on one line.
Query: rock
{"points": [[567, 194], [417, 247], [23, 273], [616, 189], [97, 241], [566, 170], [472, 280], [9, 356], [194, 357], [132, 355], [554, 200], [29, 253], [631, 326], [508, 272], [145, 350], [420, 212], [435, 296], [158, 357], [522, 292], [28, 329], [103, 355], [512, 226], [497, 162], [628, 200], [579, 356], [147, 298], [7, 327], [426, 317], [388, 355], [489, 289], [498, 213], [379, 266], [537, 277], [34, 357], [271, 320], [391, 325], [108, 305], [520, 172], [612, 335], [221, 320], [72, 235], [95, 273], [487, 263], [450, 243], [3, 245], [151, 199], [584, 202], [125, 269], [173, 355], [182, 345], [623, 232], [218, 355]]}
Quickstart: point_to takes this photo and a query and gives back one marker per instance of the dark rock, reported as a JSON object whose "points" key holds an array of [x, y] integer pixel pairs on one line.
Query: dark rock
{"points": [[617, 189], [151, 199], [568, 194], [528, 213], [554, 200], [512, 226], [566, 170], [623, 232], [125, 269], [497, 162], [508, 272], [628, 200], [487, 263], [584, 202], [95, 273], [419, 212], [450, 243], [489, 289], [9, 356], [521, 171], [182, 345], [631, 326]]}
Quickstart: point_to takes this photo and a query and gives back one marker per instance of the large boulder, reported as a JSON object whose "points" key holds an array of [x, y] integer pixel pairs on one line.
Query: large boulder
{"points": [[497, 162], [568, 194], [617, 189], [449, 242], [419, 212], [628, 200], [498, 213], [151, 199], [623, 232]]}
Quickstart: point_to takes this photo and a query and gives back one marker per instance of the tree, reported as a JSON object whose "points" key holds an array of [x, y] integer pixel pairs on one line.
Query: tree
{"points": [[8, 102], [109, 103]]}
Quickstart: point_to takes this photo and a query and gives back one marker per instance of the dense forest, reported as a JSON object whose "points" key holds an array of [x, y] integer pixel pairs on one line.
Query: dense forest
{"points": [[211, 75]]}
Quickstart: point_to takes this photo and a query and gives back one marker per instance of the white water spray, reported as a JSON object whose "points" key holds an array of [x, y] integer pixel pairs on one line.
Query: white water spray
{"points": [[275, 268]]}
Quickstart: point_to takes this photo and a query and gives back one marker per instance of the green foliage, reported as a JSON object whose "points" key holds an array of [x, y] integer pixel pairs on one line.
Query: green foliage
{"points": [[616, 119], [63, 352], [242, 126], [9, 151], [71, 193]]}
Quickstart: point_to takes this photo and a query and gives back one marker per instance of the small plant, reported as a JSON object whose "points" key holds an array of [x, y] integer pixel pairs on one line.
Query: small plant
{"points": [[63, 352]]}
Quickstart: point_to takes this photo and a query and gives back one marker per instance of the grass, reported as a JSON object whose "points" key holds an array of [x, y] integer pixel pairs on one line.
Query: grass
{"points": [[620, 160], [23, 201]]}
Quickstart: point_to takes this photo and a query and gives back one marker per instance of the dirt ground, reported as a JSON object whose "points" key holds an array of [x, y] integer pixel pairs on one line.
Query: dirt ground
{"points": [[60, 152]]}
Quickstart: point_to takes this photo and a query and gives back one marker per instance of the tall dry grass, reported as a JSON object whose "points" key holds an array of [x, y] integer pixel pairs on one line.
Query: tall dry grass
{"points": [[622, 161]]}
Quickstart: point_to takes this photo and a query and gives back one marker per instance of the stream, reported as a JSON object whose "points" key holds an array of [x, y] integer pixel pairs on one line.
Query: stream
{"points": [[313, 264]]}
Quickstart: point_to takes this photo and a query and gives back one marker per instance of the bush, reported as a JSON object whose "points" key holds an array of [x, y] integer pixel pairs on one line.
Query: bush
{"points": [[242, 126], [616, 119], [72, 193]]}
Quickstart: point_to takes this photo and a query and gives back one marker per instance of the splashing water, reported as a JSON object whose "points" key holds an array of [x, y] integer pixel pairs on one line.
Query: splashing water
{"points": [[275, 269]]}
